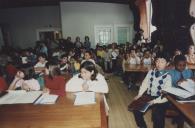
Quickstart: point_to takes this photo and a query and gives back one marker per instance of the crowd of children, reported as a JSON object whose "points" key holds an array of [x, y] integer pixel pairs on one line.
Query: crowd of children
{"points": [[45, 68]]}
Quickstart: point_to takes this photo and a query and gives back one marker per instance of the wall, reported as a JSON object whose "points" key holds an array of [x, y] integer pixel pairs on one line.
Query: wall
{"points": [[23, 22], [79, 18]]}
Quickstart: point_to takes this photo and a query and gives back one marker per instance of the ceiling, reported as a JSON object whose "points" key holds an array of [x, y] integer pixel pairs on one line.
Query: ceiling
{"points": [[28, 3]]}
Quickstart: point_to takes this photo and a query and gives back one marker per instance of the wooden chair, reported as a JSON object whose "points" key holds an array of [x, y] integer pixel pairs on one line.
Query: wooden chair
{"points": [[177, 118]]}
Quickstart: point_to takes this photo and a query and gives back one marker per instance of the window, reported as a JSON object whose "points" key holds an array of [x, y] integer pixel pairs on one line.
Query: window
{"points": [[103, 34], [123, 33]]}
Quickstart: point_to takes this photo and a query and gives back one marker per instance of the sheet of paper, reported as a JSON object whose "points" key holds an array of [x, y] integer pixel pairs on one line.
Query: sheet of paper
{"points": [[83, 98], [20, 97], [47, 99], [186, 101], [178, 92], [188, 85]]}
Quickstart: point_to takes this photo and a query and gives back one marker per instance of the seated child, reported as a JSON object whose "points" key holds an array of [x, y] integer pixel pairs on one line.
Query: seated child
{"points": [[156, 79], [176, 52], [147, 59], [64, 64], [21, 82], [190, 56], [133, 58], [54, 81], [40, 65], [180, 73]]}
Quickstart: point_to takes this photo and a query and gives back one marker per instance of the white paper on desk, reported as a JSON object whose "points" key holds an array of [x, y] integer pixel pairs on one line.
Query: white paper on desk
{"points": [[186, 101], [84, 98], [178, 92], [188, 85], [47, 99], [20, 97]]}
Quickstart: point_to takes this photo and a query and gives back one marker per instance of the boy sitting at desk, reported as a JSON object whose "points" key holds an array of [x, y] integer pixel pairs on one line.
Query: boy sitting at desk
{"points": [[181, 72], [156, 79]]}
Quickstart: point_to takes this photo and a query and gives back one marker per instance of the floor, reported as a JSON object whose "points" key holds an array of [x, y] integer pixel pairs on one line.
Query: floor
{"points": [[118, 99]]}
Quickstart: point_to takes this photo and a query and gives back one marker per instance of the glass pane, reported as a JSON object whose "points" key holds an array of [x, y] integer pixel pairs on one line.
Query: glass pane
{"points": [[122, 35]]}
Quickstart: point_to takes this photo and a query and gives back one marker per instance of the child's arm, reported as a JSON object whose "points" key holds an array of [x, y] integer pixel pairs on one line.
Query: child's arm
{"points": [[100, 85], [144, 85], [138, 61]]}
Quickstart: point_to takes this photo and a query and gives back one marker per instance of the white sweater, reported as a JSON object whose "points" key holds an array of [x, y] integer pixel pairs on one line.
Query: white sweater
{"points": [[75, 84]]}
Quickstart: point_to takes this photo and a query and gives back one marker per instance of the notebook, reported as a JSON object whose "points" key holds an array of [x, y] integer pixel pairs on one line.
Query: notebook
{"points": [[84, 98], [178, 92], [47, 99], [140, 104], [20, 97]]}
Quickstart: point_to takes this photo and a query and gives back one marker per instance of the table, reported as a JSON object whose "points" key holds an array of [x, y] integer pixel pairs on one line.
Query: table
{"points": [[63, 114], [187, 109]]}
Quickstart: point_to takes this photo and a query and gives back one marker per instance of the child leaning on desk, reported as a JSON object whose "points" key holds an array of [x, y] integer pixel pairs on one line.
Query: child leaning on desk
{"points": [[88, 80], [54, 80], [155, 80], [180, 73]]}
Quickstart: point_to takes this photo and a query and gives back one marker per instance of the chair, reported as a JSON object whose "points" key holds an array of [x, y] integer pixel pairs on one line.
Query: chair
{"points": [[177, 118]]}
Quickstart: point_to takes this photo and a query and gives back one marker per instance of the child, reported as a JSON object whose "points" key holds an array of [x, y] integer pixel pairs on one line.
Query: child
{"points": [[176, 52], [64, 64], [180, 73], [40, 65], [190, 56], [133, 58], [156, 79], [147, 59], [88, 72], [54, 81], [21, 82], [3, 84]]}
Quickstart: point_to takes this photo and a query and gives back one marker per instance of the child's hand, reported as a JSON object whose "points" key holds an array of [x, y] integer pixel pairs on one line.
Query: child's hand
{"points": [[193, 79], [151, 102], [46, 90], [85, 86], [137, 97], [180, 81]]}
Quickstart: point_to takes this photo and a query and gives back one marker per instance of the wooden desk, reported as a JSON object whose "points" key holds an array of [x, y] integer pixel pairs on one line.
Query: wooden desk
{"points": [[61, 115], [137, 68], [188, 109]]}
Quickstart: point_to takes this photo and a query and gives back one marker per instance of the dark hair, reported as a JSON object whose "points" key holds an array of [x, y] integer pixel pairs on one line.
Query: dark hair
{"points": [[42, 55], [179, 58], [54, 69], [89, 52], [162, 55], [64, 55], [89, 66], [86, 37]]}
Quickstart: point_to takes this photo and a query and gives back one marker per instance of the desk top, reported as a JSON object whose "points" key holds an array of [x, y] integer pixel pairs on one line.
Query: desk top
{"points": [[186, 108], [63, 114]]}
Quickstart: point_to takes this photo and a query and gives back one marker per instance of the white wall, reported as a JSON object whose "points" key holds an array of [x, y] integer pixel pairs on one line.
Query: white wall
{"points": [[79, 18], [23, 22]]}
